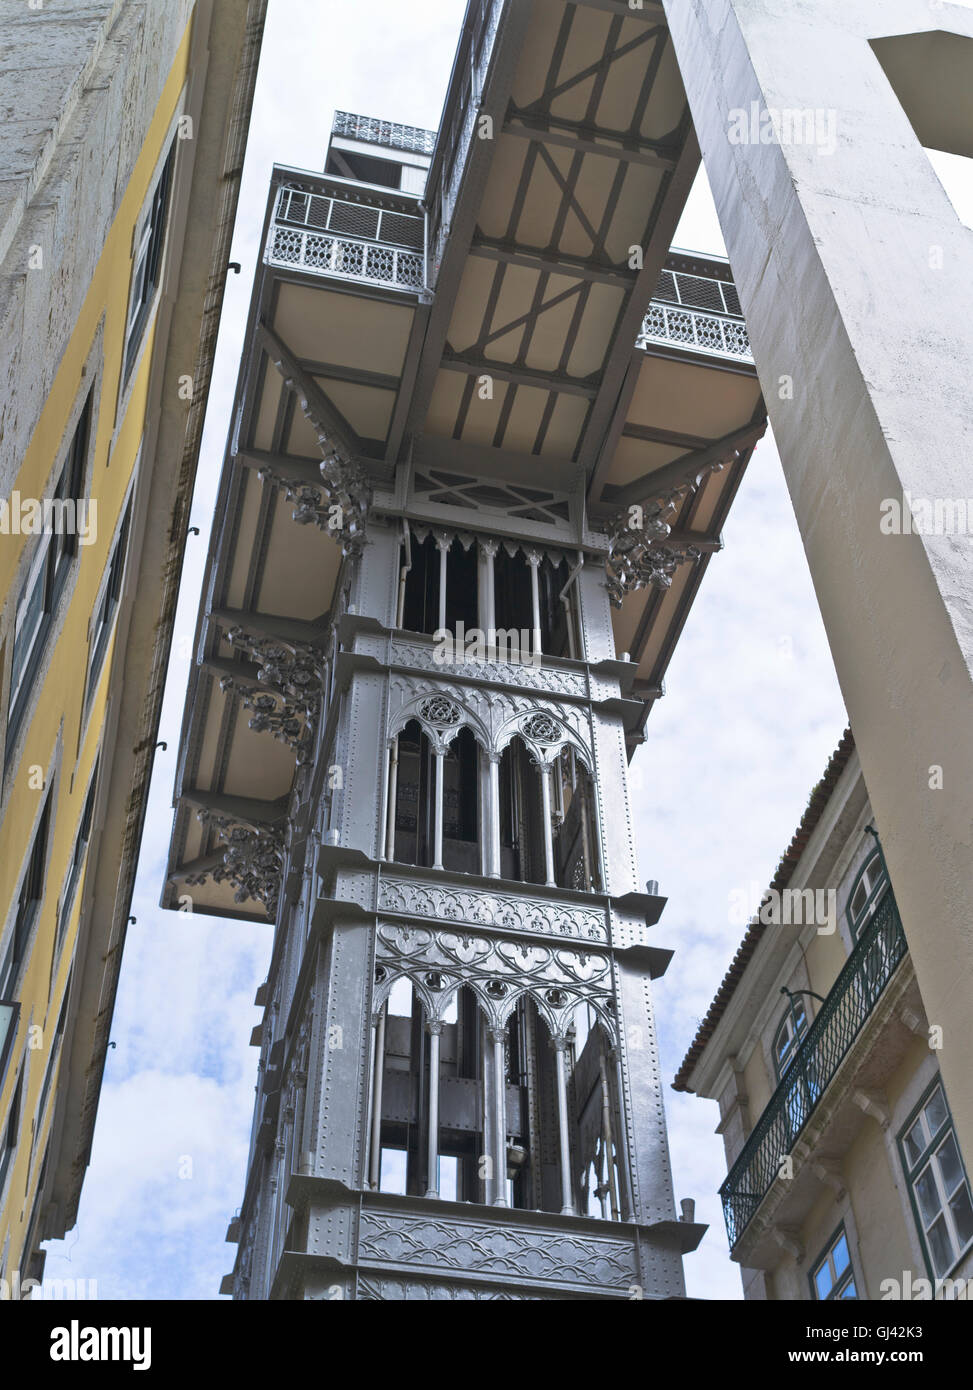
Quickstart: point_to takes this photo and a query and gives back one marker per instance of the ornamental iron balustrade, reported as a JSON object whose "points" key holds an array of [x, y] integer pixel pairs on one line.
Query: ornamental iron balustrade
{"points": [[476, 44], [839, 1021], [721, 337], [328, 235], [700, 312], [391, 134]]}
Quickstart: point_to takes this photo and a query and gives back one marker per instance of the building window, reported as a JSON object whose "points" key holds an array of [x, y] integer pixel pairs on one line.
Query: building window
{"points": [[52, 1060], [28, 905], [49, 569], [103, 621], [11, 1129], [833, 1277], [74, 873], [865, 896], [789, 1035], [81, 843], [147, 269], [938, 1183]]}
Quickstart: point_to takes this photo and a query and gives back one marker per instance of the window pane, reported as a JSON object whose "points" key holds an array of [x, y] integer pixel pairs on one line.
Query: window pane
{"points": [[849, 1291], [393, 1171], [840, 1254], [400, 998], [950, 1166], [448, 1172], [935, 1111], [927, 1195], [914, 1143], [858, 899], [962, 1215], [822, 1281], [940, 1246]]}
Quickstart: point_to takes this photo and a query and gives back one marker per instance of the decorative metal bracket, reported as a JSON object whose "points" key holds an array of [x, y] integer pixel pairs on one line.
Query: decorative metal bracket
{"points": [[253, 860], [340, 505], [295, 673], [644, 555]]}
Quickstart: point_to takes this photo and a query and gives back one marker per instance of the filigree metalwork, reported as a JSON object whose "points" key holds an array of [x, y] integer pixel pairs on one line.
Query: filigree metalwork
{"points": [[439, 711], [340, 505], [295, 673], [273, 714], [514, 1252], [498, 971], [253, 860], [377, 132], [644, 555], [481, 907], [542, 729]]}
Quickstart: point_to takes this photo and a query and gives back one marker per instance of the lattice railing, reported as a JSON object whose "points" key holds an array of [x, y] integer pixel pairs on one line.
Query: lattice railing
{"points": [[839, 1021], [329, 235], [389, 133], [700, 312]]}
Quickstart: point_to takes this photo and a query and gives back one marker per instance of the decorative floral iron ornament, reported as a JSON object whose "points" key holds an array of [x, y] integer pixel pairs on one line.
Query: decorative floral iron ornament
{"points": [[640, 551], [253, 860], [295, 673]]}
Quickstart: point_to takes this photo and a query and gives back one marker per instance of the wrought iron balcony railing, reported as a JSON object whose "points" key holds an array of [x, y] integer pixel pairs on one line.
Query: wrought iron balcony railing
{"points": [[388, 133], [327, 234], [699, 312], [840, 1019]]}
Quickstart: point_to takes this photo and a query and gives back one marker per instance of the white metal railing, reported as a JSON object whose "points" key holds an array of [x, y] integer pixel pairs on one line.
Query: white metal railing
{"points": [[329, 235], [389, 133], [692, 328], [699, 312]]}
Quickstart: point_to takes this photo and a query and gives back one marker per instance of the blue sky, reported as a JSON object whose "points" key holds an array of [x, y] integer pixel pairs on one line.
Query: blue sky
{"points": [[751, 714]]}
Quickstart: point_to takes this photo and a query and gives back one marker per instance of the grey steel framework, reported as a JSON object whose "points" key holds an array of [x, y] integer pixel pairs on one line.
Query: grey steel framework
{"points": [[469, 496]]}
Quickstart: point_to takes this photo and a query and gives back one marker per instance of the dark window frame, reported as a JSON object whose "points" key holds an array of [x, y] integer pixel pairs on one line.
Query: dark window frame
{"points": [[47, 575], [29, 899], [11, 1130], [799, 1034], [848, 1276], [7, 1046], [147, 262], [913, 1170], [857, 921], [107, 605]]}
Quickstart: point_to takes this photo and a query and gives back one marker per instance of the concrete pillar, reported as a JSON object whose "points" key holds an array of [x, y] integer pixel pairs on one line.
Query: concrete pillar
{"points": [[856, 278]]}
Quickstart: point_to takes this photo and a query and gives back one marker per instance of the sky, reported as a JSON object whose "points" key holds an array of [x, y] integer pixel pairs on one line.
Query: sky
{"points": [[751, 714]]}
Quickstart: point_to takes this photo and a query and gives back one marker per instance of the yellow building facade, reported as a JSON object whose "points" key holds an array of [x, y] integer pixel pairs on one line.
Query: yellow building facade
{"points": [[120, 185], [846, 1178]]}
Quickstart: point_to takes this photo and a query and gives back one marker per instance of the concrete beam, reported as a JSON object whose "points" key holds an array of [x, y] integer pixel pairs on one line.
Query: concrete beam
{"points": [[855, 275]]}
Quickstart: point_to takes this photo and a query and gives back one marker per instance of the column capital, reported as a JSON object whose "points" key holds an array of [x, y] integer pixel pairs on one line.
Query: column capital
{"points": [[434, 1027], [489, 545], [496, 1034]]}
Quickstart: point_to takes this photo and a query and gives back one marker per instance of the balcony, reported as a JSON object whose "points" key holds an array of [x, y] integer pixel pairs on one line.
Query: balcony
{"points": [[700, 312], [348, 235], [391, 134], [839, 1022]]}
